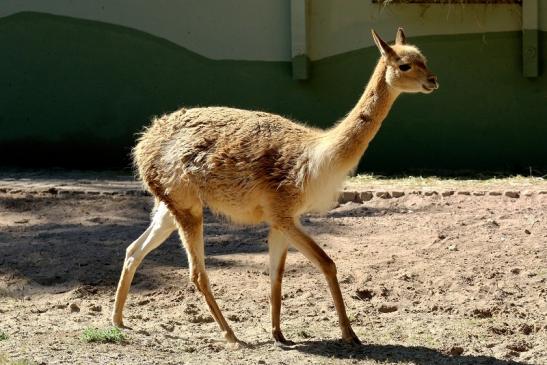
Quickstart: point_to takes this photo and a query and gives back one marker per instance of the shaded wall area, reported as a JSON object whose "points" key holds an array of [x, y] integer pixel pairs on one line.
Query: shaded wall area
{"points": [[74, 94]]}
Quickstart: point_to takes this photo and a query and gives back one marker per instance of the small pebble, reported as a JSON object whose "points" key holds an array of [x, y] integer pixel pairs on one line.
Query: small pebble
{"points": [[387, 308], [74, 307], [366, 195], [455, 351], [95, 308], [526, 329]]}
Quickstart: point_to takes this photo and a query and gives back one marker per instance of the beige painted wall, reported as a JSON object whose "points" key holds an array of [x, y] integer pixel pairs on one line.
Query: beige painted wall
{"points": [[222, 29], [260, 29], [340, 26]]}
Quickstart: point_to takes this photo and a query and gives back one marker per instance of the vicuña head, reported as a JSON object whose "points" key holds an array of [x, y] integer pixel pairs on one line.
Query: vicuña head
{"points": [[406, 67]]}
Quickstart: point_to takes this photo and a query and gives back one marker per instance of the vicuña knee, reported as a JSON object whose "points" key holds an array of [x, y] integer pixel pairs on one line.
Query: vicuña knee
{"points": [[199, 278], [329, 267]]}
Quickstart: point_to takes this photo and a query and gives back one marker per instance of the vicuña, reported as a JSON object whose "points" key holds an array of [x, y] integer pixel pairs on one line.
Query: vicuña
{"points": [[255, 167]]}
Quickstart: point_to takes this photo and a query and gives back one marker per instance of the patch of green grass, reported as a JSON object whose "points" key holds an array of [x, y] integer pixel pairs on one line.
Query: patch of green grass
{"points": [[3, 335], [108, 335]]}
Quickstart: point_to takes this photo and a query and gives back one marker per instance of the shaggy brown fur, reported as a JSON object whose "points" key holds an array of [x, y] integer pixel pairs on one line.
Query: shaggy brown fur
{"points": [[257, 167]]}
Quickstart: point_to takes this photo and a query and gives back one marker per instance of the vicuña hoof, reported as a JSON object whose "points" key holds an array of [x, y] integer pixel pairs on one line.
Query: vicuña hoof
{"points": [[281, 341], [351, 338], [237, 345], [118, 321]]}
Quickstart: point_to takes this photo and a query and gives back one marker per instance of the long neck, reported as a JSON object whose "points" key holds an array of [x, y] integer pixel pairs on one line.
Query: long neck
{"points": [[349, 139]]}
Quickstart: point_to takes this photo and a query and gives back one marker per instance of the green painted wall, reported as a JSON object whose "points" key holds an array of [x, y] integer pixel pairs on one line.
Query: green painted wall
{"points": [[74, 93]]}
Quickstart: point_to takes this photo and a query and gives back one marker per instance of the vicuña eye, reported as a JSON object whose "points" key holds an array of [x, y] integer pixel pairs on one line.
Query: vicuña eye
{"points": [[404, 67]]}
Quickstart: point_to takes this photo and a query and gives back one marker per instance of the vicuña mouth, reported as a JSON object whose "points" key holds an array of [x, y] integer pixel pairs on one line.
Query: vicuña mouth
{"points": [[427, 88]]}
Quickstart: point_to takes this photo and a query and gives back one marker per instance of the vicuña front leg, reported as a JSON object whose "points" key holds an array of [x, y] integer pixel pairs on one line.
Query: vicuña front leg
{"points": [[191, 231], [277, 245], [160, 228], [307, 246]]}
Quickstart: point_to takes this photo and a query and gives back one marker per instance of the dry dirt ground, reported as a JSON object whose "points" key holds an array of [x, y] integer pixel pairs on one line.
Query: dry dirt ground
{"points": [[434, 279]]}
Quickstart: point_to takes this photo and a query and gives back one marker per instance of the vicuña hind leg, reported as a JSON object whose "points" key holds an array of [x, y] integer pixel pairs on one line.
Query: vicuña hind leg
{"points": [[160, 228], [277, 246], [307, 246], [191, 232]]}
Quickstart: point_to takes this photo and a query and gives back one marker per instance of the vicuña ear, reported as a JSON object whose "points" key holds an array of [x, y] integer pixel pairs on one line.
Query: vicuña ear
{"points": [[384, 48], [400, 38]]}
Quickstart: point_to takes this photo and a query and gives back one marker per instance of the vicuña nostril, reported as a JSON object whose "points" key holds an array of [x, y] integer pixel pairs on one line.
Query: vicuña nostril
{"points": [[432, 79]]}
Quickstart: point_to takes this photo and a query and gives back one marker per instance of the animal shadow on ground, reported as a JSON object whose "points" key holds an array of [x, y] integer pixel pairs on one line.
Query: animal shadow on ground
{"points": [[50, 254], [91, 250], [418, 355]]}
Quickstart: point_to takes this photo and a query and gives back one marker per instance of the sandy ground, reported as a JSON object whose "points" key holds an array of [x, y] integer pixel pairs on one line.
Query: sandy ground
{"points": [[460, 279]]}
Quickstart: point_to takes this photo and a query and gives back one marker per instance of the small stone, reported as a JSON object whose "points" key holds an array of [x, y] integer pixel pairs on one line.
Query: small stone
{"points": [[346, 196], [364, 294], [500, 330], [479, 193], [143, 332], [357, 198], [397, 194], [366, 196], [441, 236], [518, 346], [169, 327], [482, 313], [525, 329], [452, 248], [495, 193], [515, 271], [347, 279], [52, 191], [383, 195], [95, 308], [387, 308], [74, 307], [464, 193], [143, 302], [430, 193], [448, 193], [527, 231], [512, 194], [455, 351], [234, 317]]}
